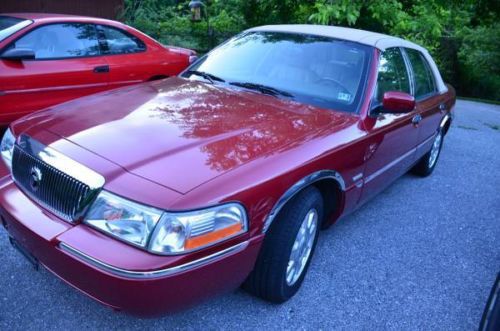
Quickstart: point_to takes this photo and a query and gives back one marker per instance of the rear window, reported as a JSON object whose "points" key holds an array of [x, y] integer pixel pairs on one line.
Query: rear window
{"points": [[10, 25]]}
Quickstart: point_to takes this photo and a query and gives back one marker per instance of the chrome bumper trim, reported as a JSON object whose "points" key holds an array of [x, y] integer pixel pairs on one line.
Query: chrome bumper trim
{"points": [[155, 273]]}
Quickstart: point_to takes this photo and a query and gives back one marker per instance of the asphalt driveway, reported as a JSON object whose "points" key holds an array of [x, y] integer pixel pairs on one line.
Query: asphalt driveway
{"points": [[422, 255]]}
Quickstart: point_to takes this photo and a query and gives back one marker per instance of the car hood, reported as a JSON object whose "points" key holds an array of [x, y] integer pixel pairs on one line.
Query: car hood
{"points": [[181, 133]]}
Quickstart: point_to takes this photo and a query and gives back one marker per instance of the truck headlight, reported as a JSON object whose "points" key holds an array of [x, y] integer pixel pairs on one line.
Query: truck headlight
{"points": [[189, 231], [165, 232], [7, 147], [123, 219]]}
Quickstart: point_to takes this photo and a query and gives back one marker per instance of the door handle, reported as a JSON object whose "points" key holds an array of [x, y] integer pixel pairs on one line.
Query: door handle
{"points": [[416, 119], [442, 107], [101, 69]]}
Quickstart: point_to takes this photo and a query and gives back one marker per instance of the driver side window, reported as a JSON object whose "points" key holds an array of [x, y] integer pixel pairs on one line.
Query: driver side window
{"points": [[59, 41], [392, 73]]}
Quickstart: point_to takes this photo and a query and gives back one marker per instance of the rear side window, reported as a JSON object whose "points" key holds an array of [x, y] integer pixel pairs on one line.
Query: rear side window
{"points": [[392, 73], [120, 42], [56, 41], [422, 74]]}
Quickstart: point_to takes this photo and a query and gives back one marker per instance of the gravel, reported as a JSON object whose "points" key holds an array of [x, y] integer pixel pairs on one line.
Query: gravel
{"points": [[423, 254]]}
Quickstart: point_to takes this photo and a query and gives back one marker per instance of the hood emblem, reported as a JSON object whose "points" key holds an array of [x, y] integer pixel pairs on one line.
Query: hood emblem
{"points": [[35, 178]]}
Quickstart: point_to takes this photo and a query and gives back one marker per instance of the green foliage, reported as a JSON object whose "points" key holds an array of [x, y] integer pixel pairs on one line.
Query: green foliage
{"points": [[388, 13], [462, 35], [480, 59], [480, 48], [336, 12]]}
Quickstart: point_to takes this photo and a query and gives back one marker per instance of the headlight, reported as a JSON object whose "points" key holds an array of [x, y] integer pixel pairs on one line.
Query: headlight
{"points": [[189, 231], [7, 147], [123, 219], [165, 232]]}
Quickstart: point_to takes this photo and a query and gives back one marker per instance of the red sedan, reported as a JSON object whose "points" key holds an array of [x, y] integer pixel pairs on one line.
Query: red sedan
{"points": [[46, 59], [152, 197]]}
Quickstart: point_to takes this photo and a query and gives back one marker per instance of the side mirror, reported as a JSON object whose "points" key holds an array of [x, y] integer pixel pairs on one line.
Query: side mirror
{"points": [[18, 54], [397, 102]]}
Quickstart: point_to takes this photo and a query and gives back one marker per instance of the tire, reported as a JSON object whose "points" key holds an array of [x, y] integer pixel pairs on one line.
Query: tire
{"points": [[425, 166], [272, 279]]}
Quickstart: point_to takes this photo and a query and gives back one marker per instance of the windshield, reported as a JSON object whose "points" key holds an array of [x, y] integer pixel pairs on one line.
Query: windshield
{"points": [[320, 71], [10, 25]]}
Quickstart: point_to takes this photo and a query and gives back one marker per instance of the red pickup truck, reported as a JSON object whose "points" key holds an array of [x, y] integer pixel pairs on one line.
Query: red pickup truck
{"points": [[152, 197]]}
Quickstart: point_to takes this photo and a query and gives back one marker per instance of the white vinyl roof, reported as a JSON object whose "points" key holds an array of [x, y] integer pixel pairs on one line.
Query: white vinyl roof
{"points": [[374, 39], [378, 40]]}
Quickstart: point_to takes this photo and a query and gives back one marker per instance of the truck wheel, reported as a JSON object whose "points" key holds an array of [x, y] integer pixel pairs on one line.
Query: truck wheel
{"points": [[427, 163], [287, 249]]}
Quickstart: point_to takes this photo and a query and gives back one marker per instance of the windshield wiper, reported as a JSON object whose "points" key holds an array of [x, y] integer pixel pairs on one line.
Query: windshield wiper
{"points": [[263, 89], [211, 78]]}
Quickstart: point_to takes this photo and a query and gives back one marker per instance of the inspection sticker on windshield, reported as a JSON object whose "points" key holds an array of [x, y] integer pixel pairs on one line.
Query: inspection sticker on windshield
{"points": [[344, 96]]}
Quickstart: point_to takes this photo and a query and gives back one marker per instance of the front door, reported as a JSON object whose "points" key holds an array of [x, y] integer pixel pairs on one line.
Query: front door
{"points": [[391, 138], [67, 65]]}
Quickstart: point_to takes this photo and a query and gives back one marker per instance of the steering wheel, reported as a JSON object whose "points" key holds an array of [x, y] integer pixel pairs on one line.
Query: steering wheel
{"points": [[332, 81]]}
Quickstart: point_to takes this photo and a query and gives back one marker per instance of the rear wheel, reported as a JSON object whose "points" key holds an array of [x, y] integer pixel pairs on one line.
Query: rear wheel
{"points": [[287, 249], [427, 163]]}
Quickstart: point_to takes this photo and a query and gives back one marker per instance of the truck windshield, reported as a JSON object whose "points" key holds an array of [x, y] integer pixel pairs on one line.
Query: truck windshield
{"points": [[320, 71], [10, 25]]}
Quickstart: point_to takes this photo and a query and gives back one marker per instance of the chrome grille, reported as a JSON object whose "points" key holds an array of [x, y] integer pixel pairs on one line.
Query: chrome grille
{"points": [[36, 169]]}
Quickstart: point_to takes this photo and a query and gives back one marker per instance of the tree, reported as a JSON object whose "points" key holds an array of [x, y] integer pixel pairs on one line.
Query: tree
{"points": [[462, 35]]}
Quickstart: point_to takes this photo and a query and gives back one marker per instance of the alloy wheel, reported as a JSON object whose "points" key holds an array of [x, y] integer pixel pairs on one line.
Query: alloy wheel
{"points": [[436, 147], [302, 247]]}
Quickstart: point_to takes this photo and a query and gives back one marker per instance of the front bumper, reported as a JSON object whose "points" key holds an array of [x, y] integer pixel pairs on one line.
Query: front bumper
{"points": [[116, 274]]}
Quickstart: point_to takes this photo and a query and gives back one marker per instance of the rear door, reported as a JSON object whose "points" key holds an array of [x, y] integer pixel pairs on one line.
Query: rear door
{"points": [[430, 105], [67, 65], [392, 138]]}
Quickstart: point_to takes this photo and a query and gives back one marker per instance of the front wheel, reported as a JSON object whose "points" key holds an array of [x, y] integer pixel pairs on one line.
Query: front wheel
{"points": [[287, 249], [427, 163]]}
